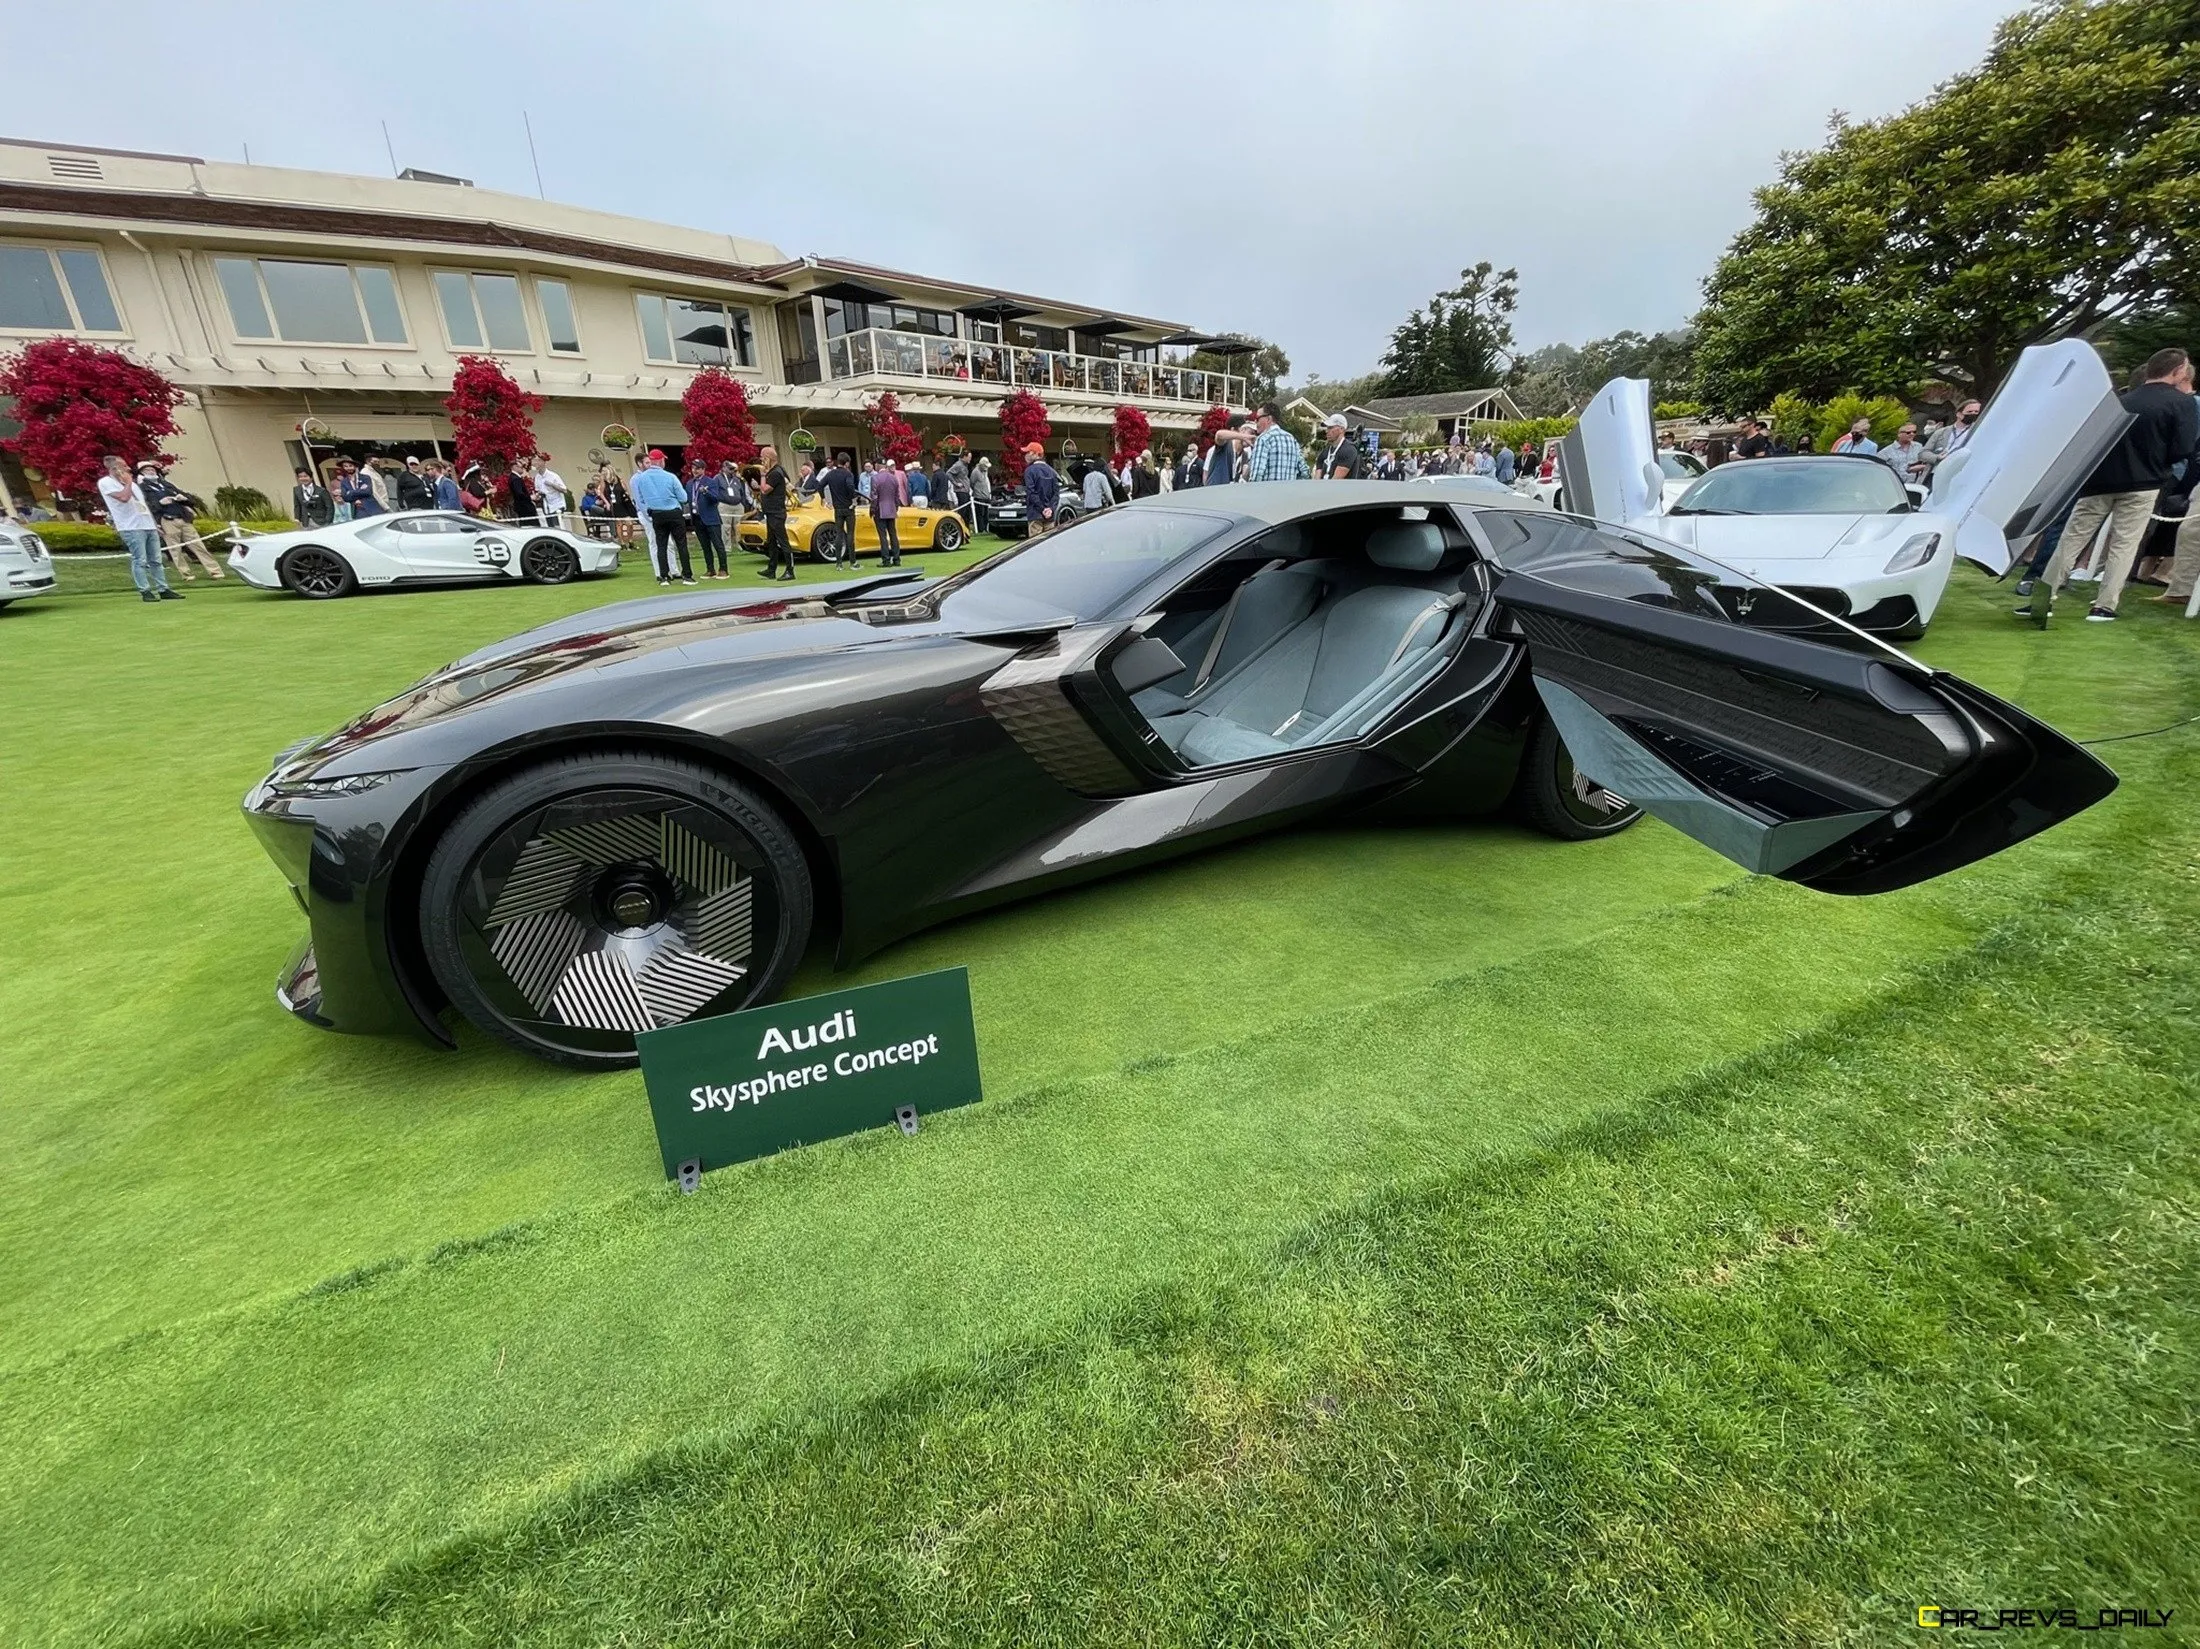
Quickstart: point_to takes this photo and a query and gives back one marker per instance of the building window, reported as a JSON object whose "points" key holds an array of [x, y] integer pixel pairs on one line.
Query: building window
{"points": [[556, 299], [311, 303], [482, 311], [843, 317], [694, 332], [55, 289], [1038, 337]]}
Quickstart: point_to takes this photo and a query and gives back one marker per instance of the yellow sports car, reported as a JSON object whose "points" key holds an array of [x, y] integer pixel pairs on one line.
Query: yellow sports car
{"points": [[812, 532]]}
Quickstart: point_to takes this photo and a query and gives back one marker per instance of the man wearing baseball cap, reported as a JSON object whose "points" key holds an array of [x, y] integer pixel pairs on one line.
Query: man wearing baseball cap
{"points": [[1042, 490], [662, 501], [1340, 453]]}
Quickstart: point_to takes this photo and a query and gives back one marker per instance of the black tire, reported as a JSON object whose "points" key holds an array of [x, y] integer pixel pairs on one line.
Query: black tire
{"points": [[825, 544], [1546, 797], [550, 561], [947, 533], [316, 573], [580, 901]]}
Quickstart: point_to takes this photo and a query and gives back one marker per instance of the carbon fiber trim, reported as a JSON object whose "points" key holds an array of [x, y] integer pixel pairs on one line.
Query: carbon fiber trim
{"points": [[1027, 697]]}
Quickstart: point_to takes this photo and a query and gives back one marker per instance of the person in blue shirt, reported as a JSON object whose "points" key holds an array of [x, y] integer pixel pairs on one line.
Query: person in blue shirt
{"points": [[355, 492], [1222, 457], [443, 487], [1042, 491], [663, 504], [706, 493], [917, 484]]}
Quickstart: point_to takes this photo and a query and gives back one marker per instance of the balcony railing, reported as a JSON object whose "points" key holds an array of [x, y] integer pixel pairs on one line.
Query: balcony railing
{"points": [[960, 362]]}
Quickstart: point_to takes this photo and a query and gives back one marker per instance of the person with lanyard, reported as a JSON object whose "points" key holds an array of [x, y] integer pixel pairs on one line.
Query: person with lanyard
{"points": [[1042, 490], [354, 493], [839, 488], [662, 502], [705, 494], [772, 493], [1340, 453], [1189, 471]]}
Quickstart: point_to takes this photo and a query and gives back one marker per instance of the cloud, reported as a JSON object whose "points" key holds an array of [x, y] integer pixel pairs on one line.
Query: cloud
{"points": [[1303, 171]]}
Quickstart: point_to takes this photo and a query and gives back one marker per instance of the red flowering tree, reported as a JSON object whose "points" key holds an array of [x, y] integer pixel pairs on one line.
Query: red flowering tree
{"points": [[1132, 435], [1023, 421], [77, 403], [1214, 418], [891, 436], [492, 418], [715, 413]]}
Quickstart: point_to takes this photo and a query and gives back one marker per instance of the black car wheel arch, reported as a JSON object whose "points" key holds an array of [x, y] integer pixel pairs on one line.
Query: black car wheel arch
{"points": [[580, 899], [316, 573], [1551, 795]]}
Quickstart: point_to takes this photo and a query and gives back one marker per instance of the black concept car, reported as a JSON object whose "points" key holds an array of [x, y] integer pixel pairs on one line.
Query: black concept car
{"points": [[641, 814]]}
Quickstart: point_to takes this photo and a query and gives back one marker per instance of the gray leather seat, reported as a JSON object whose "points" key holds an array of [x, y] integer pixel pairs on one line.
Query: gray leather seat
{"points": [[1332, 669]]}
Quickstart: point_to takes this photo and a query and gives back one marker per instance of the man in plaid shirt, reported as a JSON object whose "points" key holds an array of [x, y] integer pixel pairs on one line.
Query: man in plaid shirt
{"points": [[1276, 455]]}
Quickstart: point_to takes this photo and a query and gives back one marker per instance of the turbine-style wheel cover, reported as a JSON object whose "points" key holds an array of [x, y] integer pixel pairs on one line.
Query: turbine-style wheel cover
{"points": [[582, 919]]}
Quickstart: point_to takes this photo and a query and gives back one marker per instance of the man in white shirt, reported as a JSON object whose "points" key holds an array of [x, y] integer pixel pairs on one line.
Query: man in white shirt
{"points": [[127, 514], [550, 487]]}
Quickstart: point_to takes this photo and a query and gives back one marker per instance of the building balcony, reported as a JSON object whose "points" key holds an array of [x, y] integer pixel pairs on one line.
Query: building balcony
{"points": [[966, 365]]}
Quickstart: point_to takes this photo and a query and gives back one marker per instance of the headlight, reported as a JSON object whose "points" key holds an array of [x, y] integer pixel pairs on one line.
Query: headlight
{"points": [[351, 784], [1915, 553]]}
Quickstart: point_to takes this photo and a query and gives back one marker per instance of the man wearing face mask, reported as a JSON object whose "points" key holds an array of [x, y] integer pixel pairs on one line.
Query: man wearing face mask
{"points": [[1951, 439]]}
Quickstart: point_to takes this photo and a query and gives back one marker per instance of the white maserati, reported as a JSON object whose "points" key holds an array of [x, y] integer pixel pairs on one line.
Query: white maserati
{"points": [[1843, 534], [415, 547]]}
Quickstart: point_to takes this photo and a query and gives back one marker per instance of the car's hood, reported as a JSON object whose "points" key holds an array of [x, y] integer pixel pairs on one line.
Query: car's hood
{"points": [[1743, 542], [728, 634]]}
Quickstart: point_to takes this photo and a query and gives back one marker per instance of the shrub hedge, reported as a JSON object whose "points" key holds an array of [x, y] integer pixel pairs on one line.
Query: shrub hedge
{"points": [[85, 538]]}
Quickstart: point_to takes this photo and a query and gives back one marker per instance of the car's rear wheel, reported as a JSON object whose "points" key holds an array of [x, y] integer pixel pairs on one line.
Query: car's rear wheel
{"points": [[826, 544], [947, 533], [580, 902], [550, 561], [1558, 800], [316, 573]]}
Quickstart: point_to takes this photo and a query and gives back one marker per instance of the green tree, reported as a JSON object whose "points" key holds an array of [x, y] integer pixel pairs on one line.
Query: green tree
{"points": [[1792, 416], [1460, 340], [1886, 413], [1558, 378], [2049, 191]]}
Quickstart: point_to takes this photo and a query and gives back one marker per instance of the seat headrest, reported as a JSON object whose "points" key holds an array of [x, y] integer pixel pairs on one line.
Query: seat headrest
{"points": [[1282, 541], [1408, 547]]}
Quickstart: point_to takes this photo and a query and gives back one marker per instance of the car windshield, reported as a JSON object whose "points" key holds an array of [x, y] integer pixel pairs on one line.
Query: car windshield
{"points": [[1796, 486], [1680, 466], [1089, 568]]}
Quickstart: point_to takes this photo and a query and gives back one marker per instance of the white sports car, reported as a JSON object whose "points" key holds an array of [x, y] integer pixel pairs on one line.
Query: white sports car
{"points": [[1842, 534], [25, 567], [416, 547]]}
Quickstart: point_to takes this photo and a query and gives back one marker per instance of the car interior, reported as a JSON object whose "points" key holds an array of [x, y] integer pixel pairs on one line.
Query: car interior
{"points": [[1306, 635]]}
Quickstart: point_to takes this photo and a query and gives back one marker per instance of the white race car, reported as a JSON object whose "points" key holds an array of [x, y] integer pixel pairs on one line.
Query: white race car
{"points": [[25, 567], [1842, 533], [415, 547]]}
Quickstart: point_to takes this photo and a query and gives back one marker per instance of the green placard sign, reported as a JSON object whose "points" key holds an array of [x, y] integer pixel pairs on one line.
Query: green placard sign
{"points": [[747, 1084]]}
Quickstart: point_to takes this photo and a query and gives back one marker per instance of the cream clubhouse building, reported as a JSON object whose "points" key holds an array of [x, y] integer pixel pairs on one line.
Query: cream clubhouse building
{"points": [[313, 312]]}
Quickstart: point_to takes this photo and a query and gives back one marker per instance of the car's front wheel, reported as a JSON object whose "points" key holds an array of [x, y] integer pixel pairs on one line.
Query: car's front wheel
{"points": [[585, 900], [1559, 800], [316, 574], [826, 544], [550, 561], [947, 534]]}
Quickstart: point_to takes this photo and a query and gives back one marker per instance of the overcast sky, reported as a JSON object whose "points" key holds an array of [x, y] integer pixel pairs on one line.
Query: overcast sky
{"points": [[1306, 172]]}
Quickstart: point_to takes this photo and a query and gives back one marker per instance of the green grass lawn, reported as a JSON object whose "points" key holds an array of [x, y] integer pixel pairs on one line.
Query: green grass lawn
{"points": [[1368, 1236]]}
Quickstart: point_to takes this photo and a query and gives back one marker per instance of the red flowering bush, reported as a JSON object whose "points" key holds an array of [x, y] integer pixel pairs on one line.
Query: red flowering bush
{"points": [[1132, 434], [77, 403], [715, 413], [1214, 418], [1023, 420], [492, 418], [891, 436]]}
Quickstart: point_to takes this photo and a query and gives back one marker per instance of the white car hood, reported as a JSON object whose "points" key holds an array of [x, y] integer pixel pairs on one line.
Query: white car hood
{"points": [[1743, 542]]}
